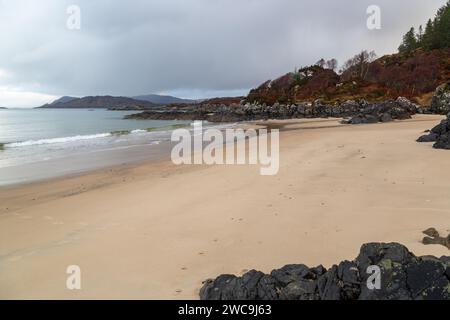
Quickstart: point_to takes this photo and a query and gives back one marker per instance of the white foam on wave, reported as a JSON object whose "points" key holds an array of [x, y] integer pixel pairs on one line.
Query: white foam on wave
{"points": [[57, 140]]}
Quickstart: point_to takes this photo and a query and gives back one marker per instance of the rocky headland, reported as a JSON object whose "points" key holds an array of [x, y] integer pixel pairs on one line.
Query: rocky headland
{"points": [[359, 111], [403, 277]]}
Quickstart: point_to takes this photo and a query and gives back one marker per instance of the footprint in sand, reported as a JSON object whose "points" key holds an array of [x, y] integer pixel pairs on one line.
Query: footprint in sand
{"points": [[48, 218], [14, 258]]}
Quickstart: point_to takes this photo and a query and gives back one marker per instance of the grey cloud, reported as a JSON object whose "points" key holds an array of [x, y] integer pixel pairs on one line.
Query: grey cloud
{"points": [[195, 47]]}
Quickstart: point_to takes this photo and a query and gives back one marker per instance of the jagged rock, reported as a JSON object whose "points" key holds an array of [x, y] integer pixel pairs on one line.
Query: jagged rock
{"points": [[386, 117], [392, 259], [431, 232], [403, 276], [400, 109], [440, 102], [439, 134], [427, 280], [341, 282], [298, 282], [431, 137], [435, 238]]}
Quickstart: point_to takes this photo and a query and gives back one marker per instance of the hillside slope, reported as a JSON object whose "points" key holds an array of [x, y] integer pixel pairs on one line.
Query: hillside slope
{"points": [[414, 75]]}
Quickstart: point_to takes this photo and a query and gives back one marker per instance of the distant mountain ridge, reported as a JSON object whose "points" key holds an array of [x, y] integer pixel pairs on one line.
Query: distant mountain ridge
{"points": [[117, 103], [99, 102], [64, 99], [163, 100]]}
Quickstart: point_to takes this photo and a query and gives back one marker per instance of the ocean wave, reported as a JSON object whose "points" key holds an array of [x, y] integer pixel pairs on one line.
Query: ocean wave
{"points": [[57, 140], [49, 141]]}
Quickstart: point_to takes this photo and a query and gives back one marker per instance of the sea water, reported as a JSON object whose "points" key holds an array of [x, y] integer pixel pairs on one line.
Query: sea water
{"points": [[43, 143]]}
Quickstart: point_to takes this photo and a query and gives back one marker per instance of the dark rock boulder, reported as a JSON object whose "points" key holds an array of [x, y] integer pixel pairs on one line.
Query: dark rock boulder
{"points": [[440, 102], [392, 260], [431, 137], [403, 277], [251, 286], [433, 237], [390, 110], [298, 282], [426, 280], [341, 282], [439, 134]]}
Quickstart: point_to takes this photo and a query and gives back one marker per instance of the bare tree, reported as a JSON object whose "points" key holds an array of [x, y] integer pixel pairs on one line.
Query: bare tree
{"points": [[332, 64], [360, 63], [321, 63]]}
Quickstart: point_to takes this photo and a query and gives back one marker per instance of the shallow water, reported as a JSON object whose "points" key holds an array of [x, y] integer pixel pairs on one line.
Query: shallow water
{"points": [[44, 143]]}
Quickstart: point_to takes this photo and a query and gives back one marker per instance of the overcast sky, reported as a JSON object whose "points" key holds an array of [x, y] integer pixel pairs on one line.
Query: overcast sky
{"points": [[187, 48]]}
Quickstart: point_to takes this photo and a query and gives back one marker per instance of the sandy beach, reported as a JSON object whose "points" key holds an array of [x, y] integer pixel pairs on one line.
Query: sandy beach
{"points": [[156, 230]]}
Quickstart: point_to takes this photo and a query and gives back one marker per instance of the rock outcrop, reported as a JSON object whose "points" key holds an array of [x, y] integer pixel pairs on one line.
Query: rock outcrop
{"points": [[403, 276], [440, 102], [433, 237], [386, 111], [440, 135], [400, 109]]}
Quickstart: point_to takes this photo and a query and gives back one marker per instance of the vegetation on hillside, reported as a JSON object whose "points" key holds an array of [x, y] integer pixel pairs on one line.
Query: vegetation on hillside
{"points": [[423, 63]]}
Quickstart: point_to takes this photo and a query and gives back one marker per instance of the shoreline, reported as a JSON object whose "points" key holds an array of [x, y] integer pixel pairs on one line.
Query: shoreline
{"points": [[50, 163], [282, 125], [156, 230]]}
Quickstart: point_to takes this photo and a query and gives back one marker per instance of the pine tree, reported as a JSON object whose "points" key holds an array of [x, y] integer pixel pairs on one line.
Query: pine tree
{"points": [[409, 41], [427, 40], [420, 35], [442, 27]]}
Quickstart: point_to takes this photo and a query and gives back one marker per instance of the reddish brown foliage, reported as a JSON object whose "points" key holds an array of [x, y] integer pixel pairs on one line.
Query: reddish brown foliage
{"points": [[412, 75]]}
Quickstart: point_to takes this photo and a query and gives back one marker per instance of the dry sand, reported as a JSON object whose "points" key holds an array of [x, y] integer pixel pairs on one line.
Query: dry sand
{"points": [[156, 231]]}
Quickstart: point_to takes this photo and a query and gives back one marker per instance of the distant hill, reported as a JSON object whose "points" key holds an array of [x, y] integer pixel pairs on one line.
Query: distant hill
{"points": [[163, 100], [64, 99], [100, 102]]}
